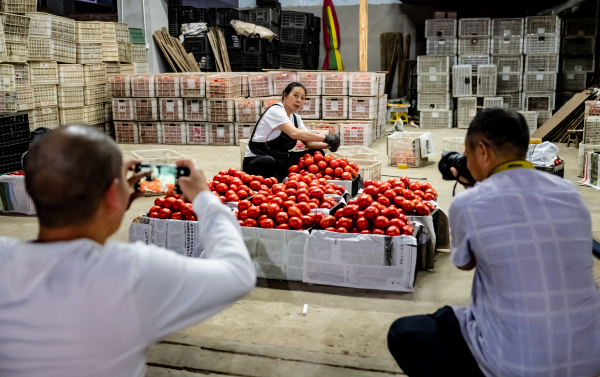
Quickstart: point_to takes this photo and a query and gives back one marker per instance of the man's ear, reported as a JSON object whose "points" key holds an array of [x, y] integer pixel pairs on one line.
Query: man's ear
{"points": [[111, 197], [483, 150]]}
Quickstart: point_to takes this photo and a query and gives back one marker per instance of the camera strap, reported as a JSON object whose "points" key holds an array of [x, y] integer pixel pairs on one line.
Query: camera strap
{"points": [[509, 165]]}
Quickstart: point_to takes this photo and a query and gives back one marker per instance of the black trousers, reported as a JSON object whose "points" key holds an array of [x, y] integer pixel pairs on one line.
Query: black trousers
{"points": [[267, 166], [431, 345]]}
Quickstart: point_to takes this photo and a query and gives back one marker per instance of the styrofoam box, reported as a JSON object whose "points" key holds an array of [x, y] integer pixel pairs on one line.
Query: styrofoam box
{"points": [[474, 46], [335, 107], [312, 81], [174, 133], [508, 63], [311, 108], [146, 109], [248, 109], [335, 83], [486, 80], [171, 109], [195, 109], [434, 64], [434, 101], [474, 61], [489, 102], [436, 119], [221, 133], [127, 133], [197, 133], [440, 28], [531, 119], [123, 109], [143, 86], [541, 63], [538, 101], [434, 83], [363, 84], [243, 130], [468, 27], [466, 110], [193, 85], [281, 79], [260, 84], [362, 108], [508, 27], [539, 82], [355, 134], [572, 81], [221, 110], [442, 46], [150, 132], [461, 81]]}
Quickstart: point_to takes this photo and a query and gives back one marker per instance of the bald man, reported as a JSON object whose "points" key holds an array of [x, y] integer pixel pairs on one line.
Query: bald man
{"points": [[74, 304]]}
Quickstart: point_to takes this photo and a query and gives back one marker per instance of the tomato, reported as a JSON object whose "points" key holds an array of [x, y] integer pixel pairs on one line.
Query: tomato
{"points": [[362, 224], [422, 209], [282, 218], [322, 165], [283, 226], [287, 204], [408, 230], [409, 195], [392, 213], [308, 160], [154, 215], [191, 218], [338, 172], [327, 221], [364, 201], [262, 217], [294, 211], [382, 222], [334, 164], [241, 222], [350, 210], [428, 196], [419, 193], [252, 223], [267, 223], [263, 208], [155, 209], [308, 221], [244, 205], [159, 202], [341, 230], [168, 203], [259, 199], [221, 188], [346, 176], [243, 215], [345, 222], [295, 222], [413, 186], [294, 169], [371, 190], [406, 180], [397, 223], [403, 218], [255, 185], [384, 201], [393, 231], [253, 212], [371, 213], [233, 198], [176, 216], [431, 206], [366, 231], [165, 213], [304, 208], [317, 193], [272, 210], [378, 231], [408, 206]]}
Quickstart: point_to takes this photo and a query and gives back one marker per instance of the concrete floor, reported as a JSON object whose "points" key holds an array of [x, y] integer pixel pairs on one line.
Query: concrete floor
{"points": [[344, 332]]}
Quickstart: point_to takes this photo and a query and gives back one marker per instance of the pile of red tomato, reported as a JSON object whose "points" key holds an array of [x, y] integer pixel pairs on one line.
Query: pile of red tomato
{"points": [[328, 167], [172, 207], [233, 185]]}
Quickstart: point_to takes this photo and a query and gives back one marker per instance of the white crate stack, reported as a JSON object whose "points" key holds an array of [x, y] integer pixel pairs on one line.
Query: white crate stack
{"points": [[541, 49], [507, 56]]}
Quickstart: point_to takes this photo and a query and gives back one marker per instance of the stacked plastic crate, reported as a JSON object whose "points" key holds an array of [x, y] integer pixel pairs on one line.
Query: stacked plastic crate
{"points": [[363, 103], [507, 55], [296, 38], [199, 46], [577, 58], [221, 93], [181, 15], [14, 141], [16, 34], [233, 41], [139, 54], [259, 53], [541, 48], [433, 79]]}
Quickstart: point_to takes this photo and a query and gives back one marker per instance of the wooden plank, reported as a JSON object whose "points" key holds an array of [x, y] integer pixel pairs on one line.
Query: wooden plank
{"points": [[402, 87], [363, 35], [223, 47], [162, 48], [400, 57], [215, 48], [560, 115], [382, 50], [390, 77]]}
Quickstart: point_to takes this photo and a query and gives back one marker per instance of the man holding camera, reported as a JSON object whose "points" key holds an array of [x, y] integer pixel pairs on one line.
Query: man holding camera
{"points": [[74, 304], [535, 307]]}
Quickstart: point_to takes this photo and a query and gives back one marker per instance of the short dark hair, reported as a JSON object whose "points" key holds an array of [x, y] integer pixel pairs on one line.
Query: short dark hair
{"points": [[68, 171], [505, 130], [288, 89]]}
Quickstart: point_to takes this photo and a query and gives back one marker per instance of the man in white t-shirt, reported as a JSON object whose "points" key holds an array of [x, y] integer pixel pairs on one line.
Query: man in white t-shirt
{"points": [[535, 307], [74, 304]]}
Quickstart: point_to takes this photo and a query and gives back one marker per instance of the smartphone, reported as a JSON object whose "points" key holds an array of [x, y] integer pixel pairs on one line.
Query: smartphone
{"points": [[163, 178]]}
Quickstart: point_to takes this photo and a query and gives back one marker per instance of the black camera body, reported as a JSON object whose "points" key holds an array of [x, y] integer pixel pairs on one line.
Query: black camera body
{"points": [[454, 160]]}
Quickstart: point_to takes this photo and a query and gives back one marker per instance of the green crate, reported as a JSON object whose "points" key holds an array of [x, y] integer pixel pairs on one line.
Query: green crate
{"points": [[136, 35]]}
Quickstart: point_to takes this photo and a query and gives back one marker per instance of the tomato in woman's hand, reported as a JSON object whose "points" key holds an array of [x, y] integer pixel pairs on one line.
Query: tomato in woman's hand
{"points": [[165, 213], [381, 222], [159, 202]]}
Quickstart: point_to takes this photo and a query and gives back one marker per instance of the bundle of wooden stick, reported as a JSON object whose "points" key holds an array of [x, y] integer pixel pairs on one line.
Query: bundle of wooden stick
{"points": [[570, 116]]}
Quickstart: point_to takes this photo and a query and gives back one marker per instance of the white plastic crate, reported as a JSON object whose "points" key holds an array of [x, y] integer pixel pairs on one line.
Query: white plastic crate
{"points": [[3, 51], [108, 111], [89, 53], [538, 101], [362, 108], [442, 46], [124, 51], [15, 27], [335, 83], [368, 169], [311, 108], [146, 109], [112, 68], [195, 109], [221, 133], [572, 81], [547, 44], [25, 99], [542, 25], [49, 26], [94, 94], [43, 73], [223, 86], [140, 68], [22, 74], [94, 74], [405, 148], [16, 52], [42, 49], [7, 74], [248, 109], [143, 85], [453, 144], [506, 46], [8, 102], [461, 81], [474, 46], [45, 95], [489, 102], [508, 63], [151, 133], [434, 83], [174, 133], [167, 85], [335, 107], [120, 85], [486, 80], [171, 109], [281, 79], [591, 130], [123, 109], [509, 83], [198, 133], [245, 89], [312, 81], [193, 85], [580, 26], [266, 102], [332, 126], [363, 84], [468, 27], [583, 45], [474, 61], [88, 32], [158, 156], [260, 84], [381, 81], [531, 119], [508, 27], [47, 117], [466, 110], [511, 100], [355, 134], [18, 6], [541, 63], [110, 52], [434, 101], [437, 28], [31, 116], [543, 117], [539, 82], [70, 96], [577, 64], [355, 152], [70, 75], [221, 110], [127, 133], [243, 131], [70, 115], [94, 114], [434, 64], [436, 119], [592, 108], [115, 31], [382, 106]]}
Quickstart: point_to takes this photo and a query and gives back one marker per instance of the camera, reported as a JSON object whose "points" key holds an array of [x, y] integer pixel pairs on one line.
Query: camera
{"points": [[454, 160]]}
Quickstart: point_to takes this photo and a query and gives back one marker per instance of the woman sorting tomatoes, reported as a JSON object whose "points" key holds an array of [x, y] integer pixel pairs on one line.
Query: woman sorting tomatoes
{"points": [[277, 132]]}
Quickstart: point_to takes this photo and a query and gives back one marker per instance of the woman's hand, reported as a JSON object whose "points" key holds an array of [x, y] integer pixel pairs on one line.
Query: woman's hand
{"points": [[333, 142]]}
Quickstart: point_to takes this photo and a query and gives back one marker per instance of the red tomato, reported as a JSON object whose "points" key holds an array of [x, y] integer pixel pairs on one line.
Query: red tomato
{"points": [[252, 223], [334, 164], [244, 205], [313, 169], [364, 201], [221, 188], [168, 203], [408, 230], [378, 231], [176, 216], [338, 172], [159, 202], [371, 190], [155, 209], [408, 206], [371, 213], [267, 223], [362, 224], [254, 212], [392, 213], [308, 160], [393, 231], [419, 193], [326, 205], [259, 199], [397, 223], [272, 210], [409, 195], [282, 195], [283, 226], [405, 180], [345, 222], [428, 196], [390, 194], [243, 215], [191, 218], [398, 201], [233, 198], [327, 221], [341, 230], [322, 165], [431, 206], [303, 198], [268, 182], [384, 201], [317, 194], [255, 185], [154, 215], [241, 222], [262, 217], [382, 222], [242, 194], [313, 205], [346, 176], [277, 200], [304, 208], [422, 209], [282, 218], [366, 231], [350, 210], [294, 169], [413, 186], [308, 221], [294, 211], [165, 213], [295, 222]]}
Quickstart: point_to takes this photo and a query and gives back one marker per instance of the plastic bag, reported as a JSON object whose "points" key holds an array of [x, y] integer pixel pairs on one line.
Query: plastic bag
{"points": [[247, 29], [542, 154]]}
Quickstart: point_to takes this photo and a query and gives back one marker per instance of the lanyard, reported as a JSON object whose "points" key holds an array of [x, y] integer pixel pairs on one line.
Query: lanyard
{"points": [[509, 165]]}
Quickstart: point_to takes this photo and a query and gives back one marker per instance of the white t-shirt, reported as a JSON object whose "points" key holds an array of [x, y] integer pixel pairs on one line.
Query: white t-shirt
{"points": [[535, 307], [79, 308], [274, 117]]}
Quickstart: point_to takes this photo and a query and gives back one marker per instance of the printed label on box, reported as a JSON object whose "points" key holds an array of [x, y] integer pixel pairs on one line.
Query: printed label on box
{"points": [[220, 131], [334, 105], [195, 106], [46, 111], [506, 41], [72, 68], [570, 76], [18, 75], [505, 77], [432, 69], [246, 131], [578, 68], [246, 111], [44, 65], [435, 115], [507, 33], [471, 113], [191, 84], [360, 109], [306, 106], [432, 78], [541, 30], [170, 106], [442, 42], [97, 67], [44, 103], [506, 69], [539, 77], [122, 107], [353, 132]]}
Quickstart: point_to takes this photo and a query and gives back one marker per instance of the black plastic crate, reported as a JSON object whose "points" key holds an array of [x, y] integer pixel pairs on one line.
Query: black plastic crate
{"points": [[315, 25], [174, 29], [312, 62], [293, 35], [296, 20], [217, 16], [275, 4], [272, 61], [255, 45], [263, 15], [202, 15], [11, 157], [273, 46], [254, 61], [14, 128], [291, 63], [235, 14], [198, 44], [558, 170], [236, 67], [269, 25], [205, 62], [313, 44], [292, 50], [235, 56]]}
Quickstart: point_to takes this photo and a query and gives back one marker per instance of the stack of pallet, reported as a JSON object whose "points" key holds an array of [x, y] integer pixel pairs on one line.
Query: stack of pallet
{"points": [[433, 79], [139, 53]]}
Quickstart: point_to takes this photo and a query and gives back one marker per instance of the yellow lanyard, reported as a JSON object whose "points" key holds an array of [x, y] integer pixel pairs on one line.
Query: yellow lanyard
{"points": [[516, 164]]}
